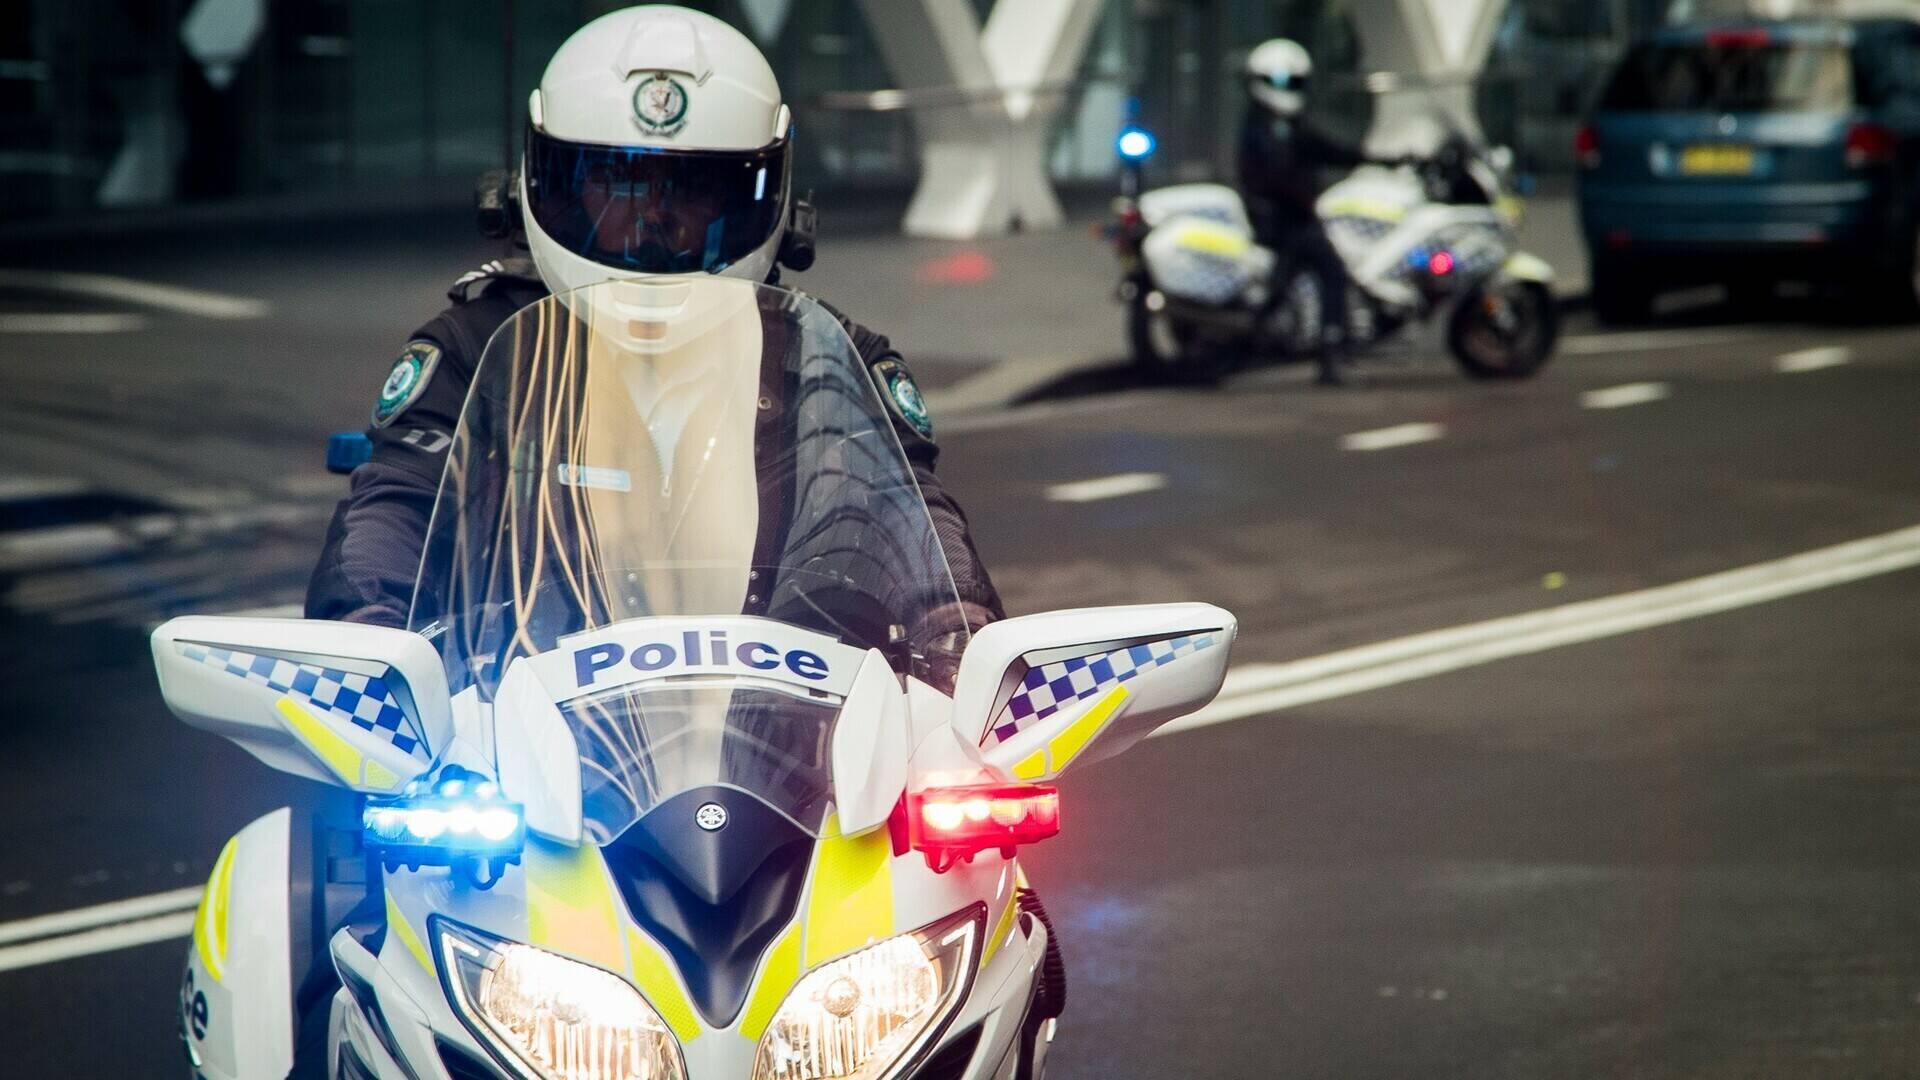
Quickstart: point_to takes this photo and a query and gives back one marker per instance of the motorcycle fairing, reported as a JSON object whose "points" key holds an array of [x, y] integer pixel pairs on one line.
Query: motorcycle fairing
{"points": [[364, 707], [1050, 705], [236, 999]]}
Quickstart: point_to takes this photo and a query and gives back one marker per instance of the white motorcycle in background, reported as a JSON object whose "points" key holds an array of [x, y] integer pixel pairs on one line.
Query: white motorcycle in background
{"points": [[1417, 240], [663, 781]]}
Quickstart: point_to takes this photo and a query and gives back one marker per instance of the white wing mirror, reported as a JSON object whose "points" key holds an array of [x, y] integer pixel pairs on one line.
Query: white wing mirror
{"points": [[1040, 693], [365, 707]]}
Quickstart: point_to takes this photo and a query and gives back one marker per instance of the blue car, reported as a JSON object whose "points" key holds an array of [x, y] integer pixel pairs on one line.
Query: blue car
{"points": [[1754, 152]]}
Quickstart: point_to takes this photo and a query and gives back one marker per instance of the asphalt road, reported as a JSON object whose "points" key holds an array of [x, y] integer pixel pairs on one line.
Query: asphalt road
{"points": [[1685, 850]]}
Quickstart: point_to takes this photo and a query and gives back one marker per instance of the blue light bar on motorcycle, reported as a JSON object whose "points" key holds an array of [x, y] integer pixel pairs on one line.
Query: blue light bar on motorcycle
{"points": [[1135, 143], [453, 821]]}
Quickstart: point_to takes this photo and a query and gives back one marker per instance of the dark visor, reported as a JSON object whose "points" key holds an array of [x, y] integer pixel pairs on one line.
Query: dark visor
{"points": [[656, 210]]}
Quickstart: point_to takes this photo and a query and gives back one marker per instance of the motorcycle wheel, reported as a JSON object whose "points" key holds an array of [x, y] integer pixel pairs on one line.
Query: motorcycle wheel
{"points": [[1504, 333], [1165, 350]]}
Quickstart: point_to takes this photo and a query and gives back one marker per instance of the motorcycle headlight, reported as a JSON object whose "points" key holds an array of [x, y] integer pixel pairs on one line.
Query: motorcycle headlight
{"points": [[553, 1018], [862, 1015]]}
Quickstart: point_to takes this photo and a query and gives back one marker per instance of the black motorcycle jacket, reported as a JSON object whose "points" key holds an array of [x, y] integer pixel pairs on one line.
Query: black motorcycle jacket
{"points": [[372, 550], [1282, 166]]}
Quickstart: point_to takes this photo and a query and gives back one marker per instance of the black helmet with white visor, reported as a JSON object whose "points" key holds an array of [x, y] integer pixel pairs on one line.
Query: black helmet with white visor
{"points": [[657, 143]]}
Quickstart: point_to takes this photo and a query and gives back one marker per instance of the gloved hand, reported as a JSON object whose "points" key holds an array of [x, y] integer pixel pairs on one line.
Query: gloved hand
{"points": [[941, 638]]}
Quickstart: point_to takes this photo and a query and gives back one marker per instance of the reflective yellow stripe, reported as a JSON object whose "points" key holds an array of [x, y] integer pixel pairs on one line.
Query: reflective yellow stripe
{"points": [[1064, 747], [379, 777], [1031, 767], [1376, 209], [570, 906], [1000, 931], [782, 970], [653, 973], [851, 900], [335, 752], [210, 920], [1212, 239], [397, 925]]}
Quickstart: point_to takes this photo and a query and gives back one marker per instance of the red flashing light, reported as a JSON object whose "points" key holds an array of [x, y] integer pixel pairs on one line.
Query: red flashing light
{"points": [[951, 824], [1586, 147], [1869, 145], [1755, 37], [1441, 263]]}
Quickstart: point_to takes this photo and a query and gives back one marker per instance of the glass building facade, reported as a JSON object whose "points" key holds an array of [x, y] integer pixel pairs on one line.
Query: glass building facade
{"points": [[130, 103]]}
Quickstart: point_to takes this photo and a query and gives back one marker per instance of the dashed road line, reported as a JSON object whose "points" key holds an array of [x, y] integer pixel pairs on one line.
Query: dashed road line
{"points": [[74, 322], [1814, 359], [1389, 437], [1619, 397], [1106, 487], [1645, 341], [175, 298]]}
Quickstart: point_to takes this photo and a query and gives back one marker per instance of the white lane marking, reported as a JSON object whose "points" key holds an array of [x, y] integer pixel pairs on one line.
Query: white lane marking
{"points": [[103, 939], [1107, 487], [1390, 437], [1825, 356], [209, 305], [1619, 397], [31, 488], [87, 918], [1254, 689], [1644, 341], [75, 322]]}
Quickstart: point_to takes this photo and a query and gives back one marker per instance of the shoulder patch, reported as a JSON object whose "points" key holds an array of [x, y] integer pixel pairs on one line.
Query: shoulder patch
{"points": [[903, 396], [406, 382]]}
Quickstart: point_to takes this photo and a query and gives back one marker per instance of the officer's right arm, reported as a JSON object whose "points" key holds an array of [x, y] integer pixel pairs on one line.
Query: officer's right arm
{"points": [[372, 552]]}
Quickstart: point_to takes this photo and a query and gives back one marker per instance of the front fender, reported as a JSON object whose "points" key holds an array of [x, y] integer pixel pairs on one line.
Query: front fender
{"points": [[236, 999], [1522, 266]]}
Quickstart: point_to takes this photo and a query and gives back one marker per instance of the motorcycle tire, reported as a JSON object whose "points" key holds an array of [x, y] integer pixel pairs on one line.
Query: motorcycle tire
{"points": [[1486, 349], [1164, 350]]}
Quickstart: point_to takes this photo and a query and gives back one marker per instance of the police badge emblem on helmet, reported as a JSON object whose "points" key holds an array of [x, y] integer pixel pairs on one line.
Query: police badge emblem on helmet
{"points": [[660, 104]]}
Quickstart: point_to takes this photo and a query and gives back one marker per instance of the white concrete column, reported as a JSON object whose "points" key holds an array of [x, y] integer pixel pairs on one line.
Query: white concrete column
{"points": [[983, 157], [1423, 57]]}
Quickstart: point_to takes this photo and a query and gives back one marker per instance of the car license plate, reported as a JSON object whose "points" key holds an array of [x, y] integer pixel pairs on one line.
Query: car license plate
{"points": [[1716, 159]]}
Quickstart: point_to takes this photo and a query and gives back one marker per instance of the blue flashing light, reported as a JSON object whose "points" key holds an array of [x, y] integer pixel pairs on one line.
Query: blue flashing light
{"points": [[437, 830], [1135, 143]]}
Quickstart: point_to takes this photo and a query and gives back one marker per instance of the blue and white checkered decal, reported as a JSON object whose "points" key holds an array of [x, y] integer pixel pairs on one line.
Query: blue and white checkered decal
{"points": [[1051, 687], [363, 700]]}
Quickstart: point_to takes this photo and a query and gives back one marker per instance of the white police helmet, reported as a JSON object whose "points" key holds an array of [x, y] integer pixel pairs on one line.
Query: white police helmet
{"points": [[657, 144], [1278, 72]]}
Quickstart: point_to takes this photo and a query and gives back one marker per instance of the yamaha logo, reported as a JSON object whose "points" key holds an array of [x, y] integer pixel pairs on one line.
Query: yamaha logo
{"points": [[711, 817]]}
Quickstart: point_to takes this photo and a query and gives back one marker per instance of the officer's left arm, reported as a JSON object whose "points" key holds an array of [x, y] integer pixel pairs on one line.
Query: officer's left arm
{"points": [[979, 600]]}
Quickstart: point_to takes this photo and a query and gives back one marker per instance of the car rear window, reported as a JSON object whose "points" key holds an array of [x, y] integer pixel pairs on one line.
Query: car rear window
{"points": [[1738, 76]]}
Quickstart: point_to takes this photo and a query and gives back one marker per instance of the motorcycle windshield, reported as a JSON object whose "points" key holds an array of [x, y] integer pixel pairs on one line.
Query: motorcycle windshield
{"points": [[664, 463]]}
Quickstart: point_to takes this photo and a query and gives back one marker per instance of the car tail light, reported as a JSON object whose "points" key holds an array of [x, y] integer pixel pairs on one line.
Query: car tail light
{"points": [[950, 824], [1586, 147], [1869, 145], [1755, 37]]}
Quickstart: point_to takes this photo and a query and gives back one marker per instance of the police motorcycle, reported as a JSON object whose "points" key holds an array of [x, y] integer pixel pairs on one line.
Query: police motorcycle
{"points": [[663, 781], [1418, 240]]}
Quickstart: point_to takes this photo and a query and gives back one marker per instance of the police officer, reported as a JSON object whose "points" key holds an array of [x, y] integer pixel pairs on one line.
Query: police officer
{"points": [[1281, 162], [657, 144]]}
